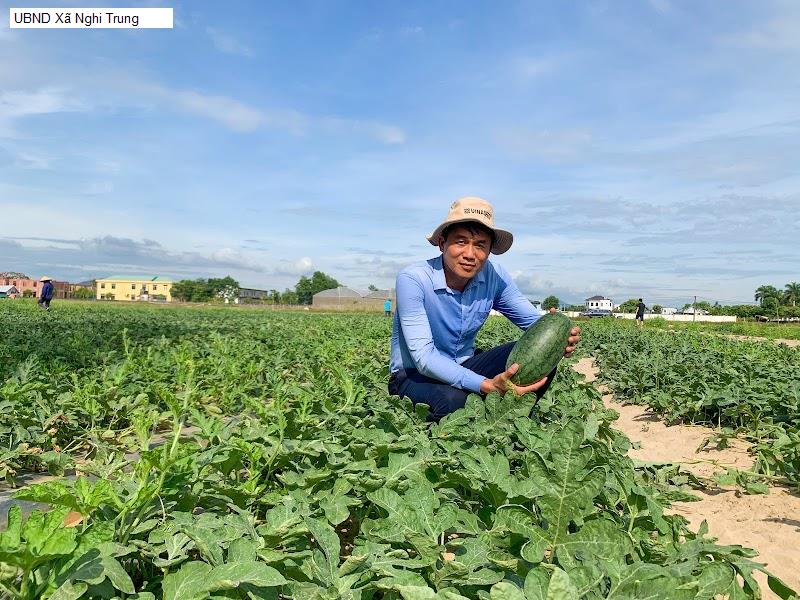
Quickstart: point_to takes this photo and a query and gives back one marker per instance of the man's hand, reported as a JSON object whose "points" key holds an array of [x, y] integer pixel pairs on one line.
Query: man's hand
{"points": [[502, 383], [572, 340]]}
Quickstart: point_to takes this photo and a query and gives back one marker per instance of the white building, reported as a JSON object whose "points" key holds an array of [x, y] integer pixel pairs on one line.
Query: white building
{"points": [[668, 310], [8, 291], [599, 303]]}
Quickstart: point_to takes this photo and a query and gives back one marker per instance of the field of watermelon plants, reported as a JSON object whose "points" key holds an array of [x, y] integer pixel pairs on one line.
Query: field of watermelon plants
{"points": [[226, 453], [772, 331], [746, 389]]}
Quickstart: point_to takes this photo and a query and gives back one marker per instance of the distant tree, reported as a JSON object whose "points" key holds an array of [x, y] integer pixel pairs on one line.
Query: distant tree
{"points": [[703, 305], [791, 294], [575, 307], [274, 296], [183, 290], [215, 286], [289, 297], [27, 294], [308, 286], [629, 305], [205, 290], [372, 288], [551, 302], [83, 293], [767, 294], [657, 308]]}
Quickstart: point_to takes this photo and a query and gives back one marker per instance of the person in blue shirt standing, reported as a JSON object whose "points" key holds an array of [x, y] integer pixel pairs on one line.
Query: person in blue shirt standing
{"points": [[46, 293], [387, 307], [441, 305]]}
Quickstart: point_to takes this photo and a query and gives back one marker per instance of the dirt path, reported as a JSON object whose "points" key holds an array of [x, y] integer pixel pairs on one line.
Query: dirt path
{"points": [[750, 338], [768, 523]]}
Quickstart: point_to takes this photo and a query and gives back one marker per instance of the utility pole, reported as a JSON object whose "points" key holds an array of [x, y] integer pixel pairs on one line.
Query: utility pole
{"points": [[694, 309]]}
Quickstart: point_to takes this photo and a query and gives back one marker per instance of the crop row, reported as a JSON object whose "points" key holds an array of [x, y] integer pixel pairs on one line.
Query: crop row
{"points": [[743, 388], [302, 477]]}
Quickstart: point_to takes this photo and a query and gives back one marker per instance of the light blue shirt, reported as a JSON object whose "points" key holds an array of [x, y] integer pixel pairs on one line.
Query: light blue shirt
{"points": [[434, 327]]}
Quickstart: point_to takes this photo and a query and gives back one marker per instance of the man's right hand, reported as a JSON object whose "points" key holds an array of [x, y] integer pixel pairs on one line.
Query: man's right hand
{"points": [[502, 383]]}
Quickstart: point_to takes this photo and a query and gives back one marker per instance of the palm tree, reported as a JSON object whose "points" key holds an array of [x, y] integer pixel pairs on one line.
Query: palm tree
{"points": [[767, 292], [792, 293]]}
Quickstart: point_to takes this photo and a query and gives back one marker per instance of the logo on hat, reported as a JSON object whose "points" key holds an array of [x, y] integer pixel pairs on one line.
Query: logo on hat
{"points": [[478, 210]]}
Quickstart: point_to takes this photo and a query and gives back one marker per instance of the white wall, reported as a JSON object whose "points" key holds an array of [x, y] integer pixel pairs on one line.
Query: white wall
{"points": [[684, 318], [689, 318]]}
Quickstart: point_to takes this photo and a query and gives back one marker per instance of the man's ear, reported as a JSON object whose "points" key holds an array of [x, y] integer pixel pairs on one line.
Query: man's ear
{"points": [[441, 243]]}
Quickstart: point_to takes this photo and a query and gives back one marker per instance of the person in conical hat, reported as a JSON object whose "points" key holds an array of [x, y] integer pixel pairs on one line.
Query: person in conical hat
{"points": [[443, 302], [46, 293]]}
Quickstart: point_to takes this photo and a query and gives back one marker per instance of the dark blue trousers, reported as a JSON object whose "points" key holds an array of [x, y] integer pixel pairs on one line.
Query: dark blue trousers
{"points": [[443, 398]]}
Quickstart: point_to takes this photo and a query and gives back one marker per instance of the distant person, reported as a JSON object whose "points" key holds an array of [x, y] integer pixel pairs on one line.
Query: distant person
{"points": [[387, 307], [443, 302], [46, 293], [640, 308]]}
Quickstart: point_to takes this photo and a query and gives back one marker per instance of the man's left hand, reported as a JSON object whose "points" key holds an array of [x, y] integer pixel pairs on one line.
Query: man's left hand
{"points": [[572, 340]]}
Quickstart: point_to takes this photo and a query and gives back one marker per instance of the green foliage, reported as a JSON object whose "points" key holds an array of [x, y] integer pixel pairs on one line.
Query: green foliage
{"points": [[702, 305], [268, 466], [752, 388], [83, 293], [551, 302], [204, 290], [289, 297], [308, 286], [767, 295], [657, 308], [28, 293], [629, 305], [791, 294]]}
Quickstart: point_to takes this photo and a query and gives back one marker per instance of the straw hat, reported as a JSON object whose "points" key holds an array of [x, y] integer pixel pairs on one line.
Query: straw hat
{"points": [[45, 278], [476, 210]]}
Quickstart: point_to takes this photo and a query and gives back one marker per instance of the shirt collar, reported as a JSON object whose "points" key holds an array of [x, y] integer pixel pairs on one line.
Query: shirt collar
{"points": [[439, 282]]}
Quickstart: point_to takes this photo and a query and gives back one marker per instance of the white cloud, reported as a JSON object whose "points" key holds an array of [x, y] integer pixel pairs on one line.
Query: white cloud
{"points": [[412, 30], [301, 266], [661, 6], [777, 34], [70, 89], [234, 114], [228, 44], [548, 145], [532, 67], [117, 253], [17, 103], [381, 132], [27, 160]]}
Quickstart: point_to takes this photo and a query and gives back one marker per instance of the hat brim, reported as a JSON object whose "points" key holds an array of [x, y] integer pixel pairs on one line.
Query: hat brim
{"points": [[502, 238]]}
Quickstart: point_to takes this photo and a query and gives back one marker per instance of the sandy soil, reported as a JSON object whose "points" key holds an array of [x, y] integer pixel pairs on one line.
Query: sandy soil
{"points": [[790, 343], [749, 338], [768, 523]]}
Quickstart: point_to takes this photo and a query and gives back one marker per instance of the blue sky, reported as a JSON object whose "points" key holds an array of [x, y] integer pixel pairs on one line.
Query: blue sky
{"points": [[634, 148]]}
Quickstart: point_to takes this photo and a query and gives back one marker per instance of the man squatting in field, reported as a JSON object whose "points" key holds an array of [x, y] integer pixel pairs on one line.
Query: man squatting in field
{"points": [[441, 305]]}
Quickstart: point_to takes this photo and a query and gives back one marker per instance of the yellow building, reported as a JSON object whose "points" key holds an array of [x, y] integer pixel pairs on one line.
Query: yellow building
{"points": [[134, 287]]}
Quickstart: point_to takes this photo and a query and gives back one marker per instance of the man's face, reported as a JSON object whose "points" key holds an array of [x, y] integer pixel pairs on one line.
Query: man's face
{"points": [[464, 253]]}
